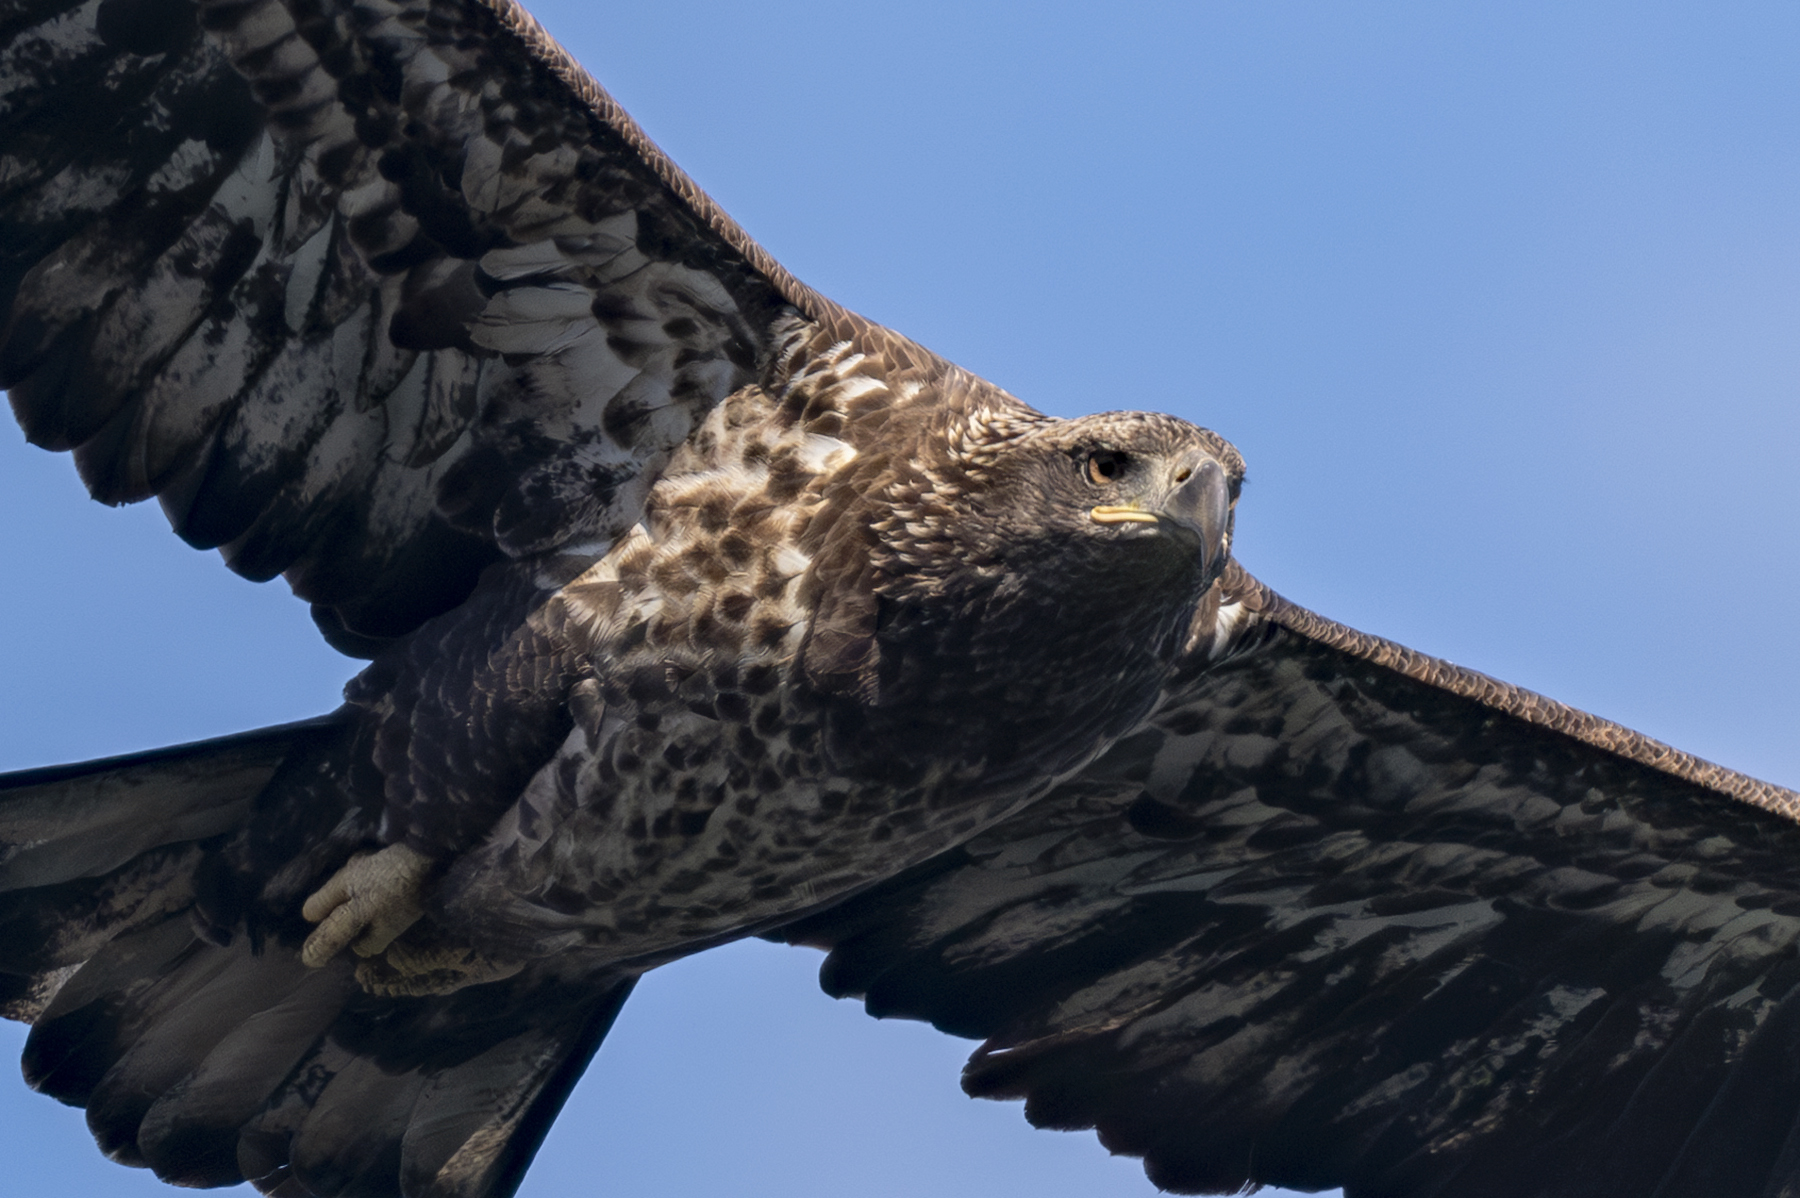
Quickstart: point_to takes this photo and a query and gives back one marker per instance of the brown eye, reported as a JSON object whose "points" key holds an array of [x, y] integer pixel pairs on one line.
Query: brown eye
{"points": [[1104, 467]]}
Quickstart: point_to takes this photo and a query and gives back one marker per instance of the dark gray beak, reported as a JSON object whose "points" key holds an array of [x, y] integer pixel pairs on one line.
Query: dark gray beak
{"points": [[1200, 499]]}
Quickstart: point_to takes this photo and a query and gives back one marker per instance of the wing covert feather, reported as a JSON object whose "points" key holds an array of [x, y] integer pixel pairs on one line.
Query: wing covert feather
{"points": [[368, 294], [1329, 920]]}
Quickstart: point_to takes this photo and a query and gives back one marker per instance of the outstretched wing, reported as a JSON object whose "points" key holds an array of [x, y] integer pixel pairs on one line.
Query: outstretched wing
{"points": [[1342, 914], [368, 294]]}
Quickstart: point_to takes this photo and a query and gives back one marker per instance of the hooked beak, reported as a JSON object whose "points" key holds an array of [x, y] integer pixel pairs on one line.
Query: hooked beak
{"points": [[1197, 499]]}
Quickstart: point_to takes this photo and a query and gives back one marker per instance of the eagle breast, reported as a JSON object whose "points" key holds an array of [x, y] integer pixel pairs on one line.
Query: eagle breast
{"points": [[874, 605]]}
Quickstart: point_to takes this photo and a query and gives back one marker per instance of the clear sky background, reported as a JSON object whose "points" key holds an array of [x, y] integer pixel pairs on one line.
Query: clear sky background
{"points": [[1501, 302]]}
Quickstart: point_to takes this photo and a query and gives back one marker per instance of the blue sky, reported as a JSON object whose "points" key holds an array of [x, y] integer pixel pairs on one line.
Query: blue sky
{"points": [[1501, 301]]}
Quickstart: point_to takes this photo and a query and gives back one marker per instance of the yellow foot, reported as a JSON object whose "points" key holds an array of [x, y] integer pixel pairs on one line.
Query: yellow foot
{"points": [[412, 970], [364, 905]]}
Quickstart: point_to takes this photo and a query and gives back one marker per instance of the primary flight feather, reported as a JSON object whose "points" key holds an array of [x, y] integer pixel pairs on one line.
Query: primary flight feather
{"points": [[698, 605]]}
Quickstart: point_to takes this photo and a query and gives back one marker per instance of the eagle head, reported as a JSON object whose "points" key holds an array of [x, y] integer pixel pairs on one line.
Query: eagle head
{"points": [[1031, 582], [1126, 515], [1118, 502]]}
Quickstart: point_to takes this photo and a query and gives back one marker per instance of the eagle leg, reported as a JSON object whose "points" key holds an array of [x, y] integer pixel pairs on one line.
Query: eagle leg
{"points": [[366, 904]]}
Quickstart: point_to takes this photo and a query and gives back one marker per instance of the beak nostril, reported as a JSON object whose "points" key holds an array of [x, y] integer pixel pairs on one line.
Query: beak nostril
{"points": [[1183, 474]]}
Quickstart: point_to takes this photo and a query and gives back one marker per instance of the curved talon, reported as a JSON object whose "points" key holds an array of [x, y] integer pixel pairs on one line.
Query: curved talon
{"points": [[366, 904]]}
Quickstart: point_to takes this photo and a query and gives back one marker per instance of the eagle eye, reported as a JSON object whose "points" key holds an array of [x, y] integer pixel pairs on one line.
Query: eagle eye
{"points": [[1105, 466]]}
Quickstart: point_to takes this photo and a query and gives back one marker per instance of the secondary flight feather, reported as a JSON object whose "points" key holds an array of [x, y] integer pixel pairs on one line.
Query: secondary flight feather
{"points": [[698, 604]]}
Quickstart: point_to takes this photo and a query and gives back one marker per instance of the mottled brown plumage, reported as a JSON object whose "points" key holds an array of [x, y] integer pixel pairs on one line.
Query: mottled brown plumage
{"points": [[699, 607], [867, 613]]}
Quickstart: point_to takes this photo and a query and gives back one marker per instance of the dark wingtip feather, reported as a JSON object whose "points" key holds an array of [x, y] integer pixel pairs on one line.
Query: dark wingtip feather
{"points": [[522, 1147], [36, 363], [66, 1057]]}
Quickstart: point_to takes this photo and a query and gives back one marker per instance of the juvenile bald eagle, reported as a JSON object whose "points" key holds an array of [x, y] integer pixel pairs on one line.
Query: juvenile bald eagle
{"points": [[699, 607]]}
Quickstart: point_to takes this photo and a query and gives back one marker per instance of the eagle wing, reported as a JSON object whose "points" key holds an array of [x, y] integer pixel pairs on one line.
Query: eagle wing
{"points": [[366, 294], [1343, 914], [373, 294]]}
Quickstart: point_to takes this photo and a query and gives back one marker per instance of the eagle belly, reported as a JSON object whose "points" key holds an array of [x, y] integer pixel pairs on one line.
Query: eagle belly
{"points": [[698, 793], [841, 640]]}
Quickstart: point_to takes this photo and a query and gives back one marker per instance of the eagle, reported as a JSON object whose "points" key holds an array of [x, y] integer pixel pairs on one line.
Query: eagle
{"points": [[1084, 913]]}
